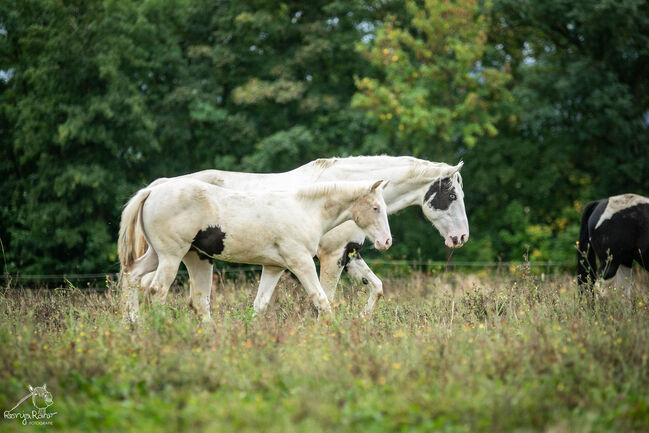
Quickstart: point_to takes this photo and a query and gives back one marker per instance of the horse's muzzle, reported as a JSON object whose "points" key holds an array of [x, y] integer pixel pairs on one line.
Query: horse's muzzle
{"points": [[456, 241]]}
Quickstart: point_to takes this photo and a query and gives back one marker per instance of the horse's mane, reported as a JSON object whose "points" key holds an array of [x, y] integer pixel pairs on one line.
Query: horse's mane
{"points": [[327, 189], [417, 169]]}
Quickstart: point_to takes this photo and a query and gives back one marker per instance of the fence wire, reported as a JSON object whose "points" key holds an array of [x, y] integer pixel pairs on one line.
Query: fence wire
{"points": [[415, 264]]}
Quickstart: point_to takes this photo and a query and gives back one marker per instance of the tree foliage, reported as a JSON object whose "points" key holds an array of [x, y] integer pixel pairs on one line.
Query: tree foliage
{"points": [[546, 102], [435, 93]]}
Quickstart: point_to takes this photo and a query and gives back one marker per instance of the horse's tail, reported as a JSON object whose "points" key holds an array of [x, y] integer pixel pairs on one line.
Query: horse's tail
{"points": [[132, 243], [586, 261]]}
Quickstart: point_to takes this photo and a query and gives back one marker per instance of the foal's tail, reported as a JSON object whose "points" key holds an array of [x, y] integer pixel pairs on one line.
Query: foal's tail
{"points": [[131, 243], [586, 262]]}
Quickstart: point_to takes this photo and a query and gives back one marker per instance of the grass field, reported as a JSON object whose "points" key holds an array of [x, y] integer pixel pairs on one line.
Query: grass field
{"points": [[450, 353]]}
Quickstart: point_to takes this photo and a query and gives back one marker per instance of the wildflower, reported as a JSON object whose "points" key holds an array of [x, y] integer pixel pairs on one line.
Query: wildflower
{"points": [[395, 58], [199, 331], [396, 365]]}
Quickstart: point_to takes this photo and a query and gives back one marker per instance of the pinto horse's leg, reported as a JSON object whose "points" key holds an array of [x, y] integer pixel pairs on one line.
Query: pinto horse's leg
{"points": [[200, 283], [304, 269], [269, 277], [359, 271], [623, 279]]}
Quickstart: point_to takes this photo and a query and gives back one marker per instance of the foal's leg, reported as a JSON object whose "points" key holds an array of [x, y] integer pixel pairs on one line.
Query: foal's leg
{"points": [[330, 253], [359, 271], [304, 269], [164, 276], [133, 279], [269, 277], [200, 283], [330, 270]]}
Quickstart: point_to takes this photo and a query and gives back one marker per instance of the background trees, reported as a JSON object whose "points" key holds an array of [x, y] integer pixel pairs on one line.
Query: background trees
{"points": [[546, 103]]}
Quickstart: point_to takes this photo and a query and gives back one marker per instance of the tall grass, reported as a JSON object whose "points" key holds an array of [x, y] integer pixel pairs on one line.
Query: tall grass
{"points": [[450, 353]]}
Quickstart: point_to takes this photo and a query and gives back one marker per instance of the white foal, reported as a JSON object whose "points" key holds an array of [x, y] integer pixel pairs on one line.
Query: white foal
{"points": [[193, 221]]}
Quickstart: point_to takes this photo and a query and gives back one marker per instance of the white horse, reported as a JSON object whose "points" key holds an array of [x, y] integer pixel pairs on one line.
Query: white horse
{"points": [[436, 187], [277, 229]]}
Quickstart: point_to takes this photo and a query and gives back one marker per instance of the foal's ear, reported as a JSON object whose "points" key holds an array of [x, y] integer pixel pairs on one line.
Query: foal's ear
{"points": [[376, 185]]}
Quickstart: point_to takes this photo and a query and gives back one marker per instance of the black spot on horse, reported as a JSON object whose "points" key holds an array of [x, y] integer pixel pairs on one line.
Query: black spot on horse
{"points": [[444, 194], [352, 251], [209, 242]]}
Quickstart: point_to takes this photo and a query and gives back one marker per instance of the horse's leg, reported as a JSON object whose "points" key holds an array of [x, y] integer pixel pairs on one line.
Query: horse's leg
{"points": [[330, 270], [269, 277], [331, 250], [164, 276], [133, 279], [623, 279], [359, 271], [200, 283], [304, 269]]}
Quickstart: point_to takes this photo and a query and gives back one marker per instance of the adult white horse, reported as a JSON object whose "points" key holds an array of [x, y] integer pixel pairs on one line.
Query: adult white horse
{"points": [[435, 186], [276, 229]]}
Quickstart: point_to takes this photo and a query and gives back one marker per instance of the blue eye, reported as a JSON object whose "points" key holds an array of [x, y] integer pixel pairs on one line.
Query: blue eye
{"points": [[452, 196]]}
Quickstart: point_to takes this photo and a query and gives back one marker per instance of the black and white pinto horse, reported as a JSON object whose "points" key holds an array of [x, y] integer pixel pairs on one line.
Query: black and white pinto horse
{"points": [[616, 232]]}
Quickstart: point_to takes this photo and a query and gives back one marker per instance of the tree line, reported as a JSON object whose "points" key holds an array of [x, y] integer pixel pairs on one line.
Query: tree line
{"points": [[546, 102]]}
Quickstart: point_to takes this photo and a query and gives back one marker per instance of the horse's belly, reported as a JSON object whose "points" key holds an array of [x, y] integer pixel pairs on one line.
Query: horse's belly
{"points": [[240, 246]]}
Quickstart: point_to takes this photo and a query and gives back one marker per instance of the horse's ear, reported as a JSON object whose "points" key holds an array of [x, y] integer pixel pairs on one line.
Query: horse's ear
{"points": [[454, 169], [457, 168], [30, 388], [376, 185], [385, 184], [45, 386]]}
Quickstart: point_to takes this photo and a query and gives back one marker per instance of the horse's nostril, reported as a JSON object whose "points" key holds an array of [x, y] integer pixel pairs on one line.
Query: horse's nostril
{"points": [[454, 239]]}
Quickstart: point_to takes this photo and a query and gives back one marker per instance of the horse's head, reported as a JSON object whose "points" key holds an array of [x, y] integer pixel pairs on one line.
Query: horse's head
{"points": [[41, 397], [370, 214], [443, 205]]}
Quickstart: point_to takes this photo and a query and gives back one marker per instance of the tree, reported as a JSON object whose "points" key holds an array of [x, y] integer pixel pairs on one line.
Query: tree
{"points": [[434, 96]]}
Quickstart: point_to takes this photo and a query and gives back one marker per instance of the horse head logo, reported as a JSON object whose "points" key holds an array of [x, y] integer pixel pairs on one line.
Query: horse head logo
{"points": [[41, 397]]}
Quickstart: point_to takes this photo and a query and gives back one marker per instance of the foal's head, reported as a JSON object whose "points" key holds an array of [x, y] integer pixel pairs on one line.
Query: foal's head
{"points": [[443, 205], [370, 214]]}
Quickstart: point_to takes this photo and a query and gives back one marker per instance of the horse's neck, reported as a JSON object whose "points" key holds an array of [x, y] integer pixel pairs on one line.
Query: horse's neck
{"points": [[335, 208], [406, 187]]}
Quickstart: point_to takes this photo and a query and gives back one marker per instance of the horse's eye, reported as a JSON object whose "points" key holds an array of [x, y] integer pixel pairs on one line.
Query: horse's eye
{"points": [[375, 208], [452, 196]]}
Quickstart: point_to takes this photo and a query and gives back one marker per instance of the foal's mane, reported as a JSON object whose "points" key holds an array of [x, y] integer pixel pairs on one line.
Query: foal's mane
{"points": [[328, 189]]}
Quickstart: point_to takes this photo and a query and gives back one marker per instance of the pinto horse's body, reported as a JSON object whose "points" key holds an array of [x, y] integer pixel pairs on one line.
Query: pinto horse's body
{"points": [[615, 231], [277, 229], [436, 187]]}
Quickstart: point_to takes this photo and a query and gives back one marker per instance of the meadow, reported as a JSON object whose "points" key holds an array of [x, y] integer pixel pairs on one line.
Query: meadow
{"points": [[507, 351]]}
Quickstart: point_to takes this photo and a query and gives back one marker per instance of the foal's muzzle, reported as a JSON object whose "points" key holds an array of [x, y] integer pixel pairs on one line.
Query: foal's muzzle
{"points": [[383, 245]]}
